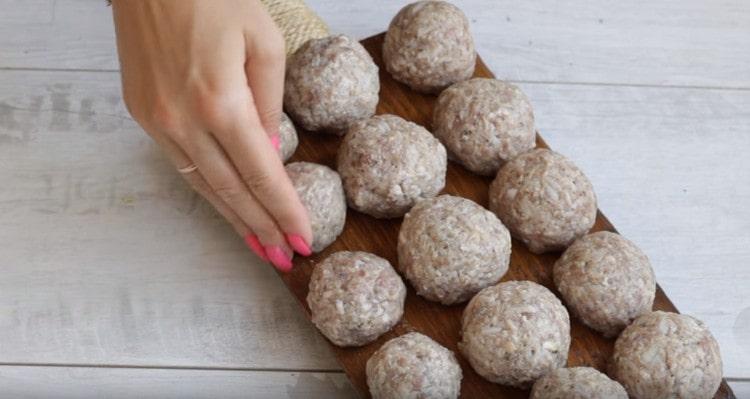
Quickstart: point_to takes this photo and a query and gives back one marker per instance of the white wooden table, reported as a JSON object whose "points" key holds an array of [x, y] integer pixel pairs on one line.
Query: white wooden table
{"points": [[117, 281]]}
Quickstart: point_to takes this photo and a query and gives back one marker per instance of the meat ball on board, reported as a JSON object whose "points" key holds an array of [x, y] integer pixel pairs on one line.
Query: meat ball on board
{"points": [[413, 366], [606, 281], [331, 83], [449, 248], [428, 46], [577, 383], [288, 139], [355, 297], [387, 164], [320, 190], [483, 123], [544, 200], [515, 332], [666, 355]]}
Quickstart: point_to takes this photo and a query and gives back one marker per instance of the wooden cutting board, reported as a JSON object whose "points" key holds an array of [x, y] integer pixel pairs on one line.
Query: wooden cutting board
{"points": [[442, 323]]}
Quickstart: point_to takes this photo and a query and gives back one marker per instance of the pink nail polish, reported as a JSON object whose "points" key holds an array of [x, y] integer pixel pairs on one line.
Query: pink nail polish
{"points": [[254, 244], [279, 259], [276, 142], [299, 244]]}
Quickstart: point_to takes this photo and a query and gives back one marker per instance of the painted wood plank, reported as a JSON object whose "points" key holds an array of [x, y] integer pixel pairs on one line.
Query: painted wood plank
{"points": [[107, 257], [670, 42], [113, 383], [674, 42], [670, 169], [57, 34], [741, 389]]}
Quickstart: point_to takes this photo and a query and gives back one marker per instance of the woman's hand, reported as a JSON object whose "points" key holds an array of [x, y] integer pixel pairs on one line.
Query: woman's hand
{"points": [[205, 80]]}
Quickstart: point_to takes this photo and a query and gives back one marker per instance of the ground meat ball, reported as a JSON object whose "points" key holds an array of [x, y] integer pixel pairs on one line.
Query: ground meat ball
{"points": [[484, 122], [387, 164], [577, 383], [288, 139], [320, 190], [606, 281], [331, 83], [667, 355], [355, 297], [449, 248], [544, 200], [428, 46], [413, 366], [515, 332]]}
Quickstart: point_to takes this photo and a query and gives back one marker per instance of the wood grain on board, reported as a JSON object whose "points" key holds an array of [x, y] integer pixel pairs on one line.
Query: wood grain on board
{"points": [[442, 323]]}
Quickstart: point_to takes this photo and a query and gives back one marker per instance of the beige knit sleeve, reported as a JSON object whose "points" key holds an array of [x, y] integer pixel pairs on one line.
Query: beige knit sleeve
{"points": [[297, 22]]}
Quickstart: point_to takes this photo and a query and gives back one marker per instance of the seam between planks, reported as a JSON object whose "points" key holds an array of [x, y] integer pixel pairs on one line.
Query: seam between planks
{"points": [[170, 367], [643, 85], [522, 81], [218, 369]]}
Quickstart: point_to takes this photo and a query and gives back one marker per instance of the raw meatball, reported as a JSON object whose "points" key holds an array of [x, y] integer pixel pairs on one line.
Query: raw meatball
{"points": [[483, 123], [320, 190], [355, 297], [413, 366], [449, 248], [288, 139], [515, 332], [667, 355], [577, 383], [428, 46], [544, 199], [387, 164], [331, 83], [606, 281]]}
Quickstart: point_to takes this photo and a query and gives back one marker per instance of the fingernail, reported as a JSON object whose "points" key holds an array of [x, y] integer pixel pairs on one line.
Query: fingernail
{"points": [[298, 244], [279, 259], [254, 244], [276, 142]]}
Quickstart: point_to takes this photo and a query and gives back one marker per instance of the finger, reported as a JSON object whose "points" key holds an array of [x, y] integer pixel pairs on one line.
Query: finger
{"points": [[227, 185], [263, 173], [264, 69], [199, 184]]}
